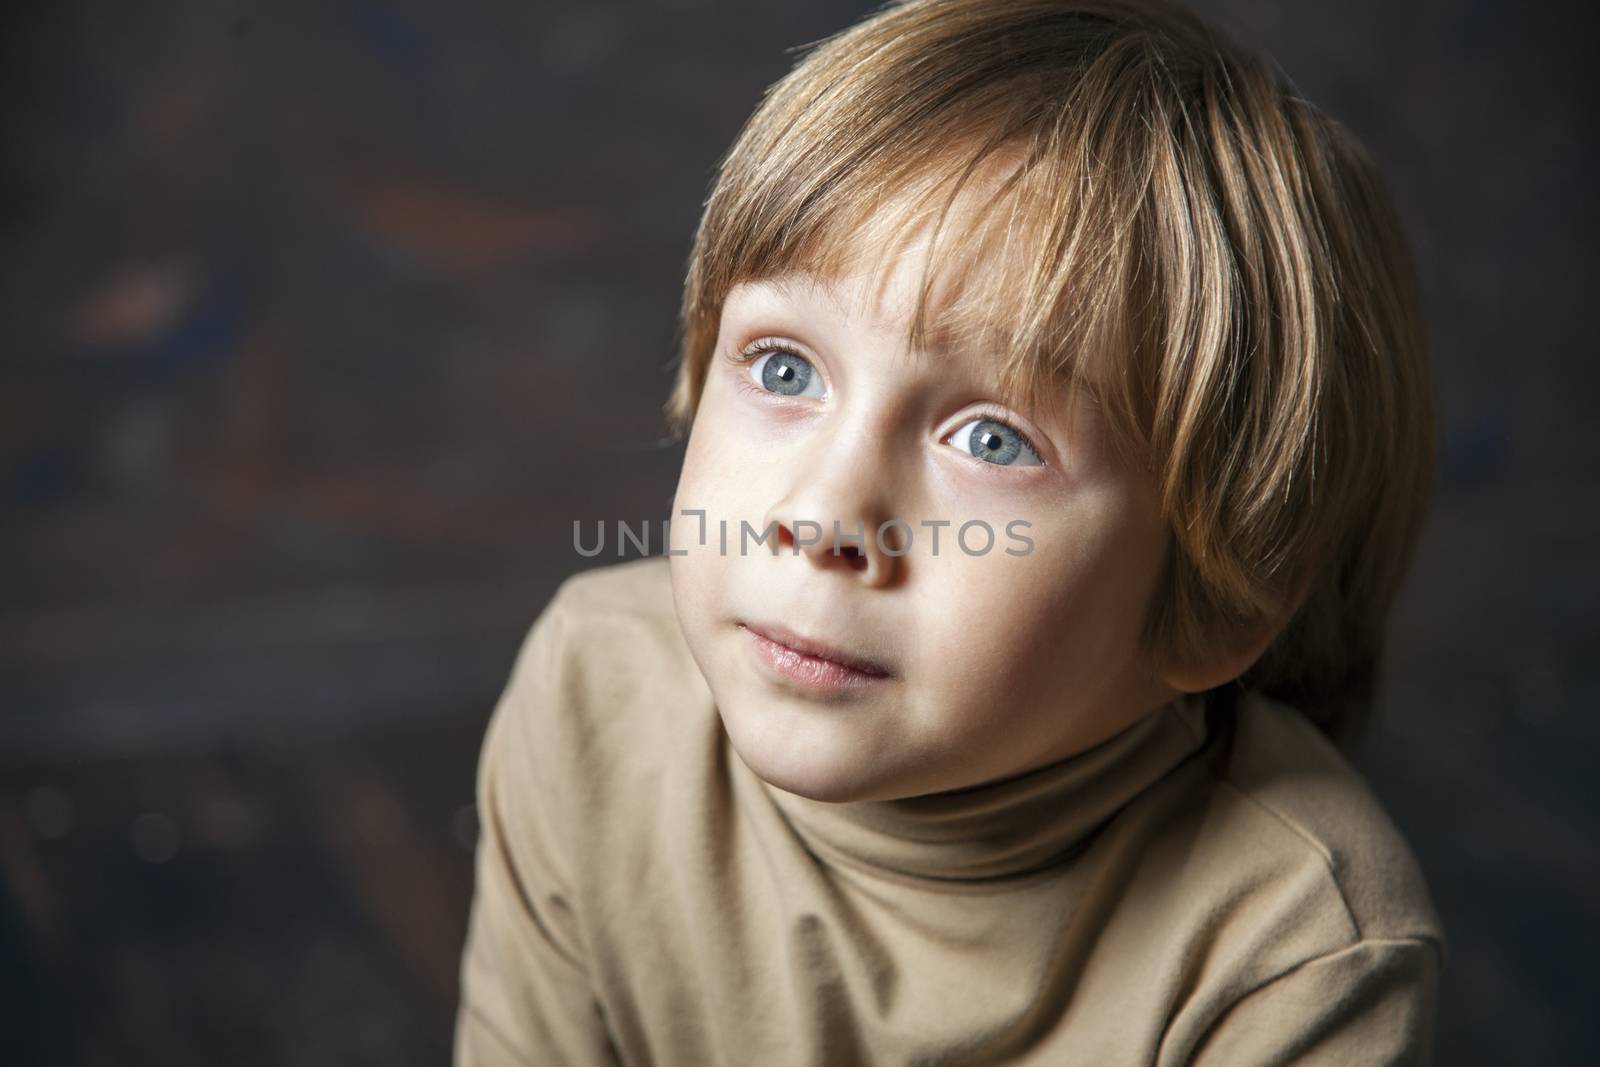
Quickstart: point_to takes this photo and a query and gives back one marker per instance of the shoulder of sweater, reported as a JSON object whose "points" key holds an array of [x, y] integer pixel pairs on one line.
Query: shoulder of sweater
{"points": [[620, 619], [1298, 792], [636, 588], [604, 672]]}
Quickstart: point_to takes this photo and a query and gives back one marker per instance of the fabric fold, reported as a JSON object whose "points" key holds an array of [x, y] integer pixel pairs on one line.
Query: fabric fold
{"points": [[1009, 828]]}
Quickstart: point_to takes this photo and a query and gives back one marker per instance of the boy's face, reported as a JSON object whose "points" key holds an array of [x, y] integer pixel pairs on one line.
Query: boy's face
{"points": [[989, 663]]}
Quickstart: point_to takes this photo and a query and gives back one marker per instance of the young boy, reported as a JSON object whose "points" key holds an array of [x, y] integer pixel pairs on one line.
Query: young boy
{"points": [[1058, 432]]}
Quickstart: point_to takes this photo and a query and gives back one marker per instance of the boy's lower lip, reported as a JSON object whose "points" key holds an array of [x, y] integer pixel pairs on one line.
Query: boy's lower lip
{"points": [[810, 671]]}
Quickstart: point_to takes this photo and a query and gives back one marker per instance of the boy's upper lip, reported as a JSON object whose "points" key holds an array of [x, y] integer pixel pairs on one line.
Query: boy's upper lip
{"points": [[800, 643]]}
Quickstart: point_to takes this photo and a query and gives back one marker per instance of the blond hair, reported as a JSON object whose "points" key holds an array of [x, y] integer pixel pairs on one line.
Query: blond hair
{"points": [[1219, 250]]}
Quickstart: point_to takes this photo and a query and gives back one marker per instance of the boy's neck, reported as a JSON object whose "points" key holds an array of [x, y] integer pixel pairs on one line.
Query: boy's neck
{"points": [[1011, 827]]}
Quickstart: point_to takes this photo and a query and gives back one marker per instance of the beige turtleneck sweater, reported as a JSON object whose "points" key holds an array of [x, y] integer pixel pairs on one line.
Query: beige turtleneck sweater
{"points": [[643, 898]]}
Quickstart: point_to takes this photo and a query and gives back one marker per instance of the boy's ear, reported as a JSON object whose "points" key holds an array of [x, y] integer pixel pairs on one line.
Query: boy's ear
{"points": [[1224, 664]]}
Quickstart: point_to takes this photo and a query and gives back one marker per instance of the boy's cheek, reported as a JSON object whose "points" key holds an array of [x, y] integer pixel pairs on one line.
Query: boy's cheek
{"points": [[720, 464], [696, 597]]}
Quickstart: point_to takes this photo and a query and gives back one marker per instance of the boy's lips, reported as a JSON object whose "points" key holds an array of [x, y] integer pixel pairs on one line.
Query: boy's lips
{"points": [[817, 650]]}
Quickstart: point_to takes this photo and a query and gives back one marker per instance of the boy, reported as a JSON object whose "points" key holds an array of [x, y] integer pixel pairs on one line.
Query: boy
{"points": [[824, 787]]}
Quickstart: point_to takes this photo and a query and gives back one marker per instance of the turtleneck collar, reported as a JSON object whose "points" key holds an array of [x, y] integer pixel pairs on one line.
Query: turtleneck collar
{"points": [[1012, 827]]}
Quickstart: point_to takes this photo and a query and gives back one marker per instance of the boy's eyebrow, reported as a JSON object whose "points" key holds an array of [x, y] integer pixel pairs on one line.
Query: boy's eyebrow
{"points": [[944, 338], [800, 284], [939, 338]]}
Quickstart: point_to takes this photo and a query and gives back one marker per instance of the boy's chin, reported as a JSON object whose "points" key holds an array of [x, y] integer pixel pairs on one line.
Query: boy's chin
{"points": [[816, 770]]}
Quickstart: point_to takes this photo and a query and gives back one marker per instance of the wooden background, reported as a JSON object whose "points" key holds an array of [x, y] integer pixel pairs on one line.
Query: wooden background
{"points": [[324, 321]]}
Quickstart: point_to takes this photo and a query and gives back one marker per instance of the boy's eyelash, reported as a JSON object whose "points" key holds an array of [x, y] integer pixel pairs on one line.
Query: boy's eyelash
{"points": [[995, 415], [756, 349]]}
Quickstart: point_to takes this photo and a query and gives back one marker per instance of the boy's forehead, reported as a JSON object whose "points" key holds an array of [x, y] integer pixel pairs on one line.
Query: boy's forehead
{"points": [[878, 271], [959, 255]]}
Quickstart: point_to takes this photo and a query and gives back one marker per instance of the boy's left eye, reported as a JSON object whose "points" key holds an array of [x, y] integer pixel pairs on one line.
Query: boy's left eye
{"points": [[994, 442]]}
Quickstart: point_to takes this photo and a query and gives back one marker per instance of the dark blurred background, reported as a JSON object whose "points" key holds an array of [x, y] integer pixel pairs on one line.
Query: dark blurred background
{"points": [[324, 320]]}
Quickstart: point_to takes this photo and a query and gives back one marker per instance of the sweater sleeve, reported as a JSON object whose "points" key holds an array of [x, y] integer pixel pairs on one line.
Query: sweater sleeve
{"points": [[1369, 1003], [526, 998]]}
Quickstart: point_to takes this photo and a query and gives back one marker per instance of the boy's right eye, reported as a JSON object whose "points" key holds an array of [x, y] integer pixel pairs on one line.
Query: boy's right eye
{"points": [[786, 373]]}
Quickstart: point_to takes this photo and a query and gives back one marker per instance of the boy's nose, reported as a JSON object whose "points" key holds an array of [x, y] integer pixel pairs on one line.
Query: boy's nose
{"points": [[831, 515], [849, 546]]}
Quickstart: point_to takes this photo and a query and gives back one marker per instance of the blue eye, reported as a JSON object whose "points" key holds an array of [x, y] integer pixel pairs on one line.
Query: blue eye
{"points": [[786, 373], [995, 442]]}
